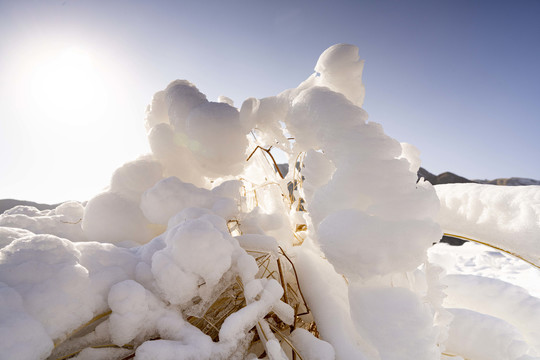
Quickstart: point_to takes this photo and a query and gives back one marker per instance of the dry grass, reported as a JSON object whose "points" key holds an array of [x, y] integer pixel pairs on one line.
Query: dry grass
{"points": [[279, 267], [493, 247]]}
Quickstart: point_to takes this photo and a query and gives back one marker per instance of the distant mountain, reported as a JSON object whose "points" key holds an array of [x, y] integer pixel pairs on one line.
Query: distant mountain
{"points": [[513, 181], [444, 178], [451, 178], [6, 204]]}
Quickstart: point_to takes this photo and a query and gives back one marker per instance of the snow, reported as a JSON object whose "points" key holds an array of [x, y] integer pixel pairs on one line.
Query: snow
{"points": [[514, 305], [102, 354], [63, 221], [479, 336], [372, 252], [412, 155], [247, 317], [181, 97], [171, 195], [383, 310], [332, 310], [114, 218], [219, 136], [340, 68], [475, 259], [135, 177], [9, 234], [18, 329], [60, 286], [201, 250], [504, 216], [258, 242], [310, 347], [131, 304], [195, 139], [181, 276]]}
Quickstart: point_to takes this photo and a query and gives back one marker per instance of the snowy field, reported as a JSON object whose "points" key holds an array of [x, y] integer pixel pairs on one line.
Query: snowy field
{"points": [[473, 259], [202, 250]]}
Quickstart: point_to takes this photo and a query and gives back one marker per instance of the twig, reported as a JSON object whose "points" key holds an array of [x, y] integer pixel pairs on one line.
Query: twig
{"points": [[127, 347], [284, 338], [296, 277], [94, 319], [493, 247], [271, 156], [71, 223], [281, 278]]}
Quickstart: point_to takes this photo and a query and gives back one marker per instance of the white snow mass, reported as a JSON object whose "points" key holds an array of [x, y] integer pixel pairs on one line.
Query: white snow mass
{"points": [[504, 216], [204, 249]]}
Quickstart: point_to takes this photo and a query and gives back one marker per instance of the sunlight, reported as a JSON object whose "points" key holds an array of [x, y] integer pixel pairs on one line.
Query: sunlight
{"points": [[68, 84], [74, 120]]}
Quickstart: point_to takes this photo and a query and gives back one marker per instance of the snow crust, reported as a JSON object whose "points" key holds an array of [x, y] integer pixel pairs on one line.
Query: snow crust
{"points": [[504, 216], [202, 250]]}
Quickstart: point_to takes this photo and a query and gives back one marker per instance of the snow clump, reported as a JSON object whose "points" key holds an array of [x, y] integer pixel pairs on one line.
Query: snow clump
{"points": [[504, 216]]}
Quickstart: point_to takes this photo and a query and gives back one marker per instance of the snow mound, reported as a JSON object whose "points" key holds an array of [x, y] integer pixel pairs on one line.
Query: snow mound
{"points": [[513, 304], [63, 221], [59, 285]]}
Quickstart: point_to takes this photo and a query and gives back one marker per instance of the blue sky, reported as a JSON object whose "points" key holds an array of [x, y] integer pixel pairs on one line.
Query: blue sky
{"points": [[457, 79]]}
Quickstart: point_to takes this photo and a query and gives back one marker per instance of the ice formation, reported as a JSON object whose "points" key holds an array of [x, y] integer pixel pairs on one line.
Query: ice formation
{"points": [[203, 249]]}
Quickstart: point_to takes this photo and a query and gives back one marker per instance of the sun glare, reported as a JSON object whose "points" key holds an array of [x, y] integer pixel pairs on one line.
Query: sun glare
{"points": [[74, 120], [67, 84]]}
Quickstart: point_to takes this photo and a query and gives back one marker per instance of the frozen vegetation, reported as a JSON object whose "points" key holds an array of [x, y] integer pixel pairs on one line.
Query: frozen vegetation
{"points": [[506, 217], [202, 250]]}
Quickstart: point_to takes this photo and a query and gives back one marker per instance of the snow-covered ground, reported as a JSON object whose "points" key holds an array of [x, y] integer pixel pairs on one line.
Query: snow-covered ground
{"points": [[475, 259], [201, 250]]}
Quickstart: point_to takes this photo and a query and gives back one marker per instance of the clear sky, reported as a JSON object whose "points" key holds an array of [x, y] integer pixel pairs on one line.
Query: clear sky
{"points": [[458, 79]]}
